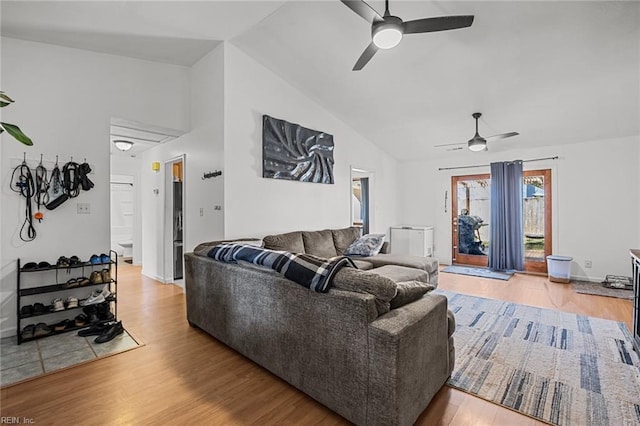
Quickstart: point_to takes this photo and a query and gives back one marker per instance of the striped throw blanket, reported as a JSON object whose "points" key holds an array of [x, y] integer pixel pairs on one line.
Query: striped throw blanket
{"points": [[310, 271]]}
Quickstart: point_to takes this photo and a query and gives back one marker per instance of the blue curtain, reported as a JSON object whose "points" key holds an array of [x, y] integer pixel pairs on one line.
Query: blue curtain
{"points": [[506, 246], [364, 204]]}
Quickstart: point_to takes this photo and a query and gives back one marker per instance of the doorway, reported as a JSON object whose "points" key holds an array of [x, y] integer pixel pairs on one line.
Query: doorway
{"points": [[471, 209], [174, 219]]}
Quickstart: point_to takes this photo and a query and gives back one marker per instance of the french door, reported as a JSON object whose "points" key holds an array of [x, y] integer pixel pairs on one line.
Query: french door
{"points": [[471, 209]]}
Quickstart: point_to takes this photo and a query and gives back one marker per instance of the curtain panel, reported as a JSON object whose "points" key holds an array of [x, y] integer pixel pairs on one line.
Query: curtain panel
{"points": [[506, 245]]}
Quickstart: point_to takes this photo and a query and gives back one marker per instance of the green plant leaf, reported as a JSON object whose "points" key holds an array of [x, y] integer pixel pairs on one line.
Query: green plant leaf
{"points": [[5, 97], [15, 131], [4, 104]]}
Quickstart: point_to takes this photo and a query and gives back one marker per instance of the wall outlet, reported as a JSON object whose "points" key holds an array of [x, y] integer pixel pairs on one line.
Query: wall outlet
{"points": [[587, 264], [84, 208]]}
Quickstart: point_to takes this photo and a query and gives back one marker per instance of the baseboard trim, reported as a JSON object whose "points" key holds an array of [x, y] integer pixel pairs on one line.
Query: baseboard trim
{"points": [[153, 277]]}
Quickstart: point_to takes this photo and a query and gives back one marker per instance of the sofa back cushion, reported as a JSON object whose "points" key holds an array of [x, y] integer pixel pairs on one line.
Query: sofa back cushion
{"points": [[382, 288], [291, 241], [342, 238], [319, 243]]}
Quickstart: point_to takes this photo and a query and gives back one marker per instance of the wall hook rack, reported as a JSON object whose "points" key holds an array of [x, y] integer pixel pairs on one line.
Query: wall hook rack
{"points": [[211, 174]]}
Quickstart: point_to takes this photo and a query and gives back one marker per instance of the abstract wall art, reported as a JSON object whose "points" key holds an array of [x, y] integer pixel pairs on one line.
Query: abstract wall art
{"points": [[293, 152]]}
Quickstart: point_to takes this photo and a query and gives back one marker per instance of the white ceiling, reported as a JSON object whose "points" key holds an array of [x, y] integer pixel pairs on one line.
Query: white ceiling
{"points": [[556, 72]]}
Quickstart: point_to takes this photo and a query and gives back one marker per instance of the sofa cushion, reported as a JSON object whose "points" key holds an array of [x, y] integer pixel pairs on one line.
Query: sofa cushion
{"points": [[428, 264], [382, 288], [363, 265], [409, 291], [367, 245], [399, 274], [291, 241], [342, 238], [319, 243]]}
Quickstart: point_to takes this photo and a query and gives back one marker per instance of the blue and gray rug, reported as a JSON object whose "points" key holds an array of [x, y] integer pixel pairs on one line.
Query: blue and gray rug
{"points": [[561, 368], [478, 272]]}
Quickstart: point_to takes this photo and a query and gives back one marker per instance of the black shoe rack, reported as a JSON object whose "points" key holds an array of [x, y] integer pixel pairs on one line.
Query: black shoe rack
{"points": [[33, 282]]}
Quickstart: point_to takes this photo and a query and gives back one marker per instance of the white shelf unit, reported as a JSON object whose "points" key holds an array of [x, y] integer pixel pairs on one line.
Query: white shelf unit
{"points": [[412, 240]]}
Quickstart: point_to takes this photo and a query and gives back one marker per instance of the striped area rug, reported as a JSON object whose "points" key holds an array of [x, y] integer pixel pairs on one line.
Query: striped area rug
{"points": [[561, 368]]}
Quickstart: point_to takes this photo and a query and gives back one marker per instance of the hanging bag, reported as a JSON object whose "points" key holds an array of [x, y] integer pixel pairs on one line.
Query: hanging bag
{"points": [[57, 195]]}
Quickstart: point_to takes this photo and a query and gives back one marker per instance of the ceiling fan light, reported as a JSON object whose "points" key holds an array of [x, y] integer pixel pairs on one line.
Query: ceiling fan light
{"points": [[388, 33], [123, 145], [477, 144]]}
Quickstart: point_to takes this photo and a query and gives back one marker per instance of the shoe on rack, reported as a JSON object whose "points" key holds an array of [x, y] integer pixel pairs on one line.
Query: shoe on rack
{"points": [[96, 277], [95, 259], [81, 320], [27, 332], [39, 309], [74, 261], [73, 282], [105, 258], [106, 275], [91, 313], [63, 325], [95, 298], [72, 302], [110, 333], [57, 305], [94, 330], [62, 262], [83, 281], [26, 311], [104, 313], [41, 330]]}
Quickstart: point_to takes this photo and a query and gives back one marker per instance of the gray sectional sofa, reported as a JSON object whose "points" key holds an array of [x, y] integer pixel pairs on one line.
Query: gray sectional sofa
{"points": [[362, 349]]}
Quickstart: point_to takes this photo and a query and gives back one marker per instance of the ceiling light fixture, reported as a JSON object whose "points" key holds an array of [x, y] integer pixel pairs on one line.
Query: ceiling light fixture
{"points": [[478, 143], [123, 145], [388, 33]]}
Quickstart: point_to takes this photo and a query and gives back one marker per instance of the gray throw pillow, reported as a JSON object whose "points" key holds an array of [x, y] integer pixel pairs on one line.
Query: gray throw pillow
{"points": [[409, 291], [367, 245]]}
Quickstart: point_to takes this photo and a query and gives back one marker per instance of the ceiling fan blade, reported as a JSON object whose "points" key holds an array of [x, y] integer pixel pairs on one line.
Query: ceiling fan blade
{"points": [[450, 144], [502, 136], [363, 9], [455, 149], [441, 23], [365, 57]]}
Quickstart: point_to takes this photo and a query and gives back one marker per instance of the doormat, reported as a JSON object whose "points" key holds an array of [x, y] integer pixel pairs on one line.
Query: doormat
{"points": [[598, 289], [38, 357], [558, 367], [478, 272]]}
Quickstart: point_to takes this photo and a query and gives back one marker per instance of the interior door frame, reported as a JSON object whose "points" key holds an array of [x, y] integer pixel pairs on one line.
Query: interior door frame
{"points": [[534, 266], [167, 217]]}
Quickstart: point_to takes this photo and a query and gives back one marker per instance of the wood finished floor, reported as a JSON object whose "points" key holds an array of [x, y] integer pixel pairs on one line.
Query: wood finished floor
{"points": [[184, 376]]}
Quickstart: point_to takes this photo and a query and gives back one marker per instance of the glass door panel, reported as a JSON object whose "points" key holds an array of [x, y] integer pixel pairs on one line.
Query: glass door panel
{"points": [[471, 210], [536, 211]]}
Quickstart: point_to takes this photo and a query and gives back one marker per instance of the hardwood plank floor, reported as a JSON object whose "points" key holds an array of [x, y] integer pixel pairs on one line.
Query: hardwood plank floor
{"points": [[184, 376]]}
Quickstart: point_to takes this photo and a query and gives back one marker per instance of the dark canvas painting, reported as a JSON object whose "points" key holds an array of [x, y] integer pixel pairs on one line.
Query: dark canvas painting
{"points": [[293, 152]]}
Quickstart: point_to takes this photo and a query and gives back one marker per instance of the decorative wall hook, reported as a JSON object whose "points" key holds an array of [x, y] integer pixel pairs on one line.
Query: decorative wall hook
{"points": [[211, 174]]}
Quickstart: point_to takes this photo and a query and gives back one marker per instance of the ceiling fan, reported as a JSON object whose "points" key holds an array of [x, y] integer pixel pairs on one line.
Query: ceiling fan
{"points": [[387, 30], [478, 143]]}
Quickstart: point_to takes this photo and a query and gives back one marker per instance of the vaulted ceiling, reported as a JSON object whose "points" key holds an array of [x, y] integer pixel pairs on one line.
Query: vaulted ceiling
{"points": [[556, 72]]}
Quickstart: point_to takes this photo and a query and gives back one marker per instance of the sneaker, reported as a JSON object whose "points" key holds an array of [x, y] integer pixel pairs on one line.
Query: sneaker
{"points": [[111, 332], [72, 302], [105, 258], [94, 259], [95, 298], [57, 305], [41, 330]]}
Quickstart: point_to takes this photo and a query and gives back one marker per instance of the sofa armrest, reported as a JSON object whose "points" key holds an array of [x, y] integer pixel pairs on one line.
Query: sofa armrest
{"points": [[408, 360]]}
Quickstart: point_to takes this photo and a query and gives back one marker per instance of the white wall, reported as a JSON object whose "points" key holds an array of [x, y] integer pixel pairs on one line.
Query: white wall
{"points": [[203, 147], [256, 206], [595, 200], [65, 99]]}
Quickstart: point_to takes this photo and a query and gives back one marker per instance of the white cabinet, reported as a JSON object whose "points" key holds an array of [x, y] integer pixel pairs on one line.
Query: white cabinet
{"points": [[412, 240]]}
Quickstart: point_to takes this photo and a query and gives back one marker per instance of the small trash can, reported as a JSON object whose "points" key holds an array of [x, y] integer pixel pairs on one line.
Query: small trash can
{"points": [[559, 268]]}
